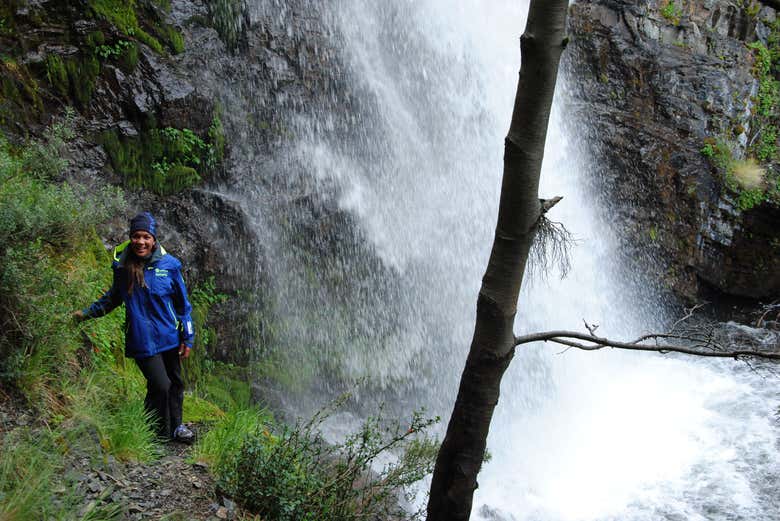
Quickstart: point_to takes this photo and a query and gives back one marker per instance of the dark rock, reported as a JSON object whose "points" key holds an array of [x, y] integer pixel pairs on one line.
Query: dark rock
{"points": [[651, 93]]}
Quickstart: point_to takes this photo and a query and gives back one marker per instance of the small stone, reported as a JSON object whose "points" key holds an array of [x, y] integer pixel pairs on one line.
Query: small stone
{"points": [[222, 513], [197, 484], [94, 487], [230, 505], [133, 508], [199, 465]]}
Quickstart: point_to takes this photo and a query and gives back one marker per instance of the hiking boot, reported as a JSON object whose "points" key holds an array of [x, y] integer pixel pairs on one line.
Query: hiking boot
{"points": [[183, 434]]}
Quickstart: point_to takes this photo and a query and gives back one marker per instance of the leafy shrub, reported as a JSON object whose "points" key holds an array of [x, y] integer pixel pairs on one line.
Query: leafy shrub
{"points": [[297, 476], [749, 199]]}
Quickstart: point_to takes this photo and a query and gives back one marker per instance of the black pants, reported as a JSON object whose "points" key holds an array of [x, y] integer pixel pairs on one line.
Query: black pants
{"points": [[164, 389]]}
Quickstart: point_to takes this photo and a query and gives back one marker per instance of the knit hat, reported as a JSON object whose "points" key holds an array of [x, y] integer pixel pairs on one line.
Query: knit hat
{"points": [[143, 222]]}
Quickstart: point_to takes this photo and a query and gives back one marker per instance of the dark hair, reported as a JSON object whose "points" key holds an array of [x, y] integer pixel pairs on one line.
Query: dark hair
{"points": [[135, 271]]}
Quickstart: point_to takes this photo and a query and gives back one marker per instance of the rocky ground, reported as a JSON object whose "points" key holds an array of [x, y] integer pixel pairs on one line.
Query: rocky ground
{"points": [[170, 488]]}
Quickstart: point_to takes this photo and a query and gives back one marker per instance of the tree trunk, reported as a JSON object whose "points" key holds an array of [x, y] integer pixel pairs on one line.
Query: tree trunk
{"points": [[492, 346]]}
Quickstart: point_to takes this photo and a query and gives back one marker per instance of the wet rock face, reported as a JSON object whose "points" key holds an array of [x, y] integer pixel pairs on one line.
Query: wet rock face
{"points": [[652, 87]]}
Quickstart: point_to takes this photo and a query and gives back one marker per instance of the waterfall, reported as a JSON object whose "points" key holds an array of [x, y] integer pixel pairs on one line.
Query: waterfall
{"points": [[416, 171]]}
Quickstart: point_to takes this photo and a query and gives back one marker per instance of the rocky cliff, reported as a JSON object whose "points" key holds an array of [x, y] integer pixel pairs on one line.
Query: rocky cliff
{"points": [[678, 104]]}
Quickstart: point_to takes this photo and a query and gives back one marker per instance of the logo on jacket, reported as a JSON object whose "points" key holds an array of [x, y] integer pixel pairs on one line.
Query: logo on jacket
{"points": [[160, 273]]}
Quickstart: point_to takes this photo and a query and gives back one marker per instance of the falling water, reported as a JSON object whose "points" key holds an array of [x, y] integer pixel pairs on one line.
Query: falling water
{"points": [[576, 436]]}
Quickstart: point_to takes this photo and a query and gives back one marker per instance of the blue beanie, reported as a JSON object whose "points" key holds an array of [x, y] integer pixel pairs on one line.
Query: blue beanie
{"points": [[144, 222]]}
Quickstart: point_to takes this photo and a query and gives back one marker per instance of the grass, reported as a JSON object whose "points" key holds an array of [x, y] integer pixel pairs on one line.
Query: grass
{"points": [[33, 481], [226, 437], [748, 174]]}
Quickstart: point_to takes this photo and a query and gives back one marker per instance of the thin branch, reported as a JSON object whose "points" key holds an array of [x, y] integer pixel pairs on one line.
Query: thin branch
{"points": [[590, 327], [547, 204], [689, 314], [708, 349]]}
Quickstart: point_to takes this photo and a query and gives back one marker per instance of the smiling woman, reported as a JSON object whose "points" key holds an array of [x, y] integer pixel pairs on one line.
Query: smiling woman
{"points": [[158, 326]]}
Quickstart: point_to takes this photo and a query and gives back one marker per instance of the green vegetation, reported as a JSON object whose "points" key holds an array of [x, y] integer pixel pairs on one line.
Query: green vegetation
{"points": [[128, 15], [296, 475], [20, 99], [73, 376], [226, 18], [744, 178], [164, 161], [32, 485], [226, 437], [767, 103], [88, 399], [672, 12]]}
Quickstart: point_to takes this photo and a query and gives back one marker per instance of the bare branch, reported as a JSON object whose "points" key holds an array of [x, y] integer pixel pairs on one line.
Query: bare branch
{"points": [[689, 314], [708, 348], [590, 327]]}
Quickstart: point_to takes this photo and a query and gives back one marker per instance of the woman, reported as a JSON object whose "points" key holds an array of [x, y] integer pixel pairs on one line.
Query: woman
{"points": [[158, 326]]}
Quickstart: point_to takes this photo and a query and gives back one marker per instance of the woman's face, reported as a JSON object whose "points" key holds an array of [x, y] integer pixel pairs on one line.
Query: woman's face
{"points": [[142, 243]]}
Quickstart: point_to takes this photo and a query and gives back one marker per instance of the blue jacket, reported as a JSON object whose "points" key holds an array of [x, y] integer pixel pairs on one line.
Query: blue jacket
{"points": [[157, 317]]}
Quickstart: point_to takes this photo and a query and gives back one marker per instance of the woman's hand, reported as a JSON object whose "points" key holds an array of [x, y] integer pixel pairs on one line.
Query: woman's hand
{"points": [[184, 351]]}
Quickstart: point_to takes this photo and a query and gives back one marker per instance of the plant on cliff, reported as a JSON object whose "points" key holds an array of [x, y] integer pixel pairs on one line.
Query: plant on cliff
{"points": [[746, 179], [767, 103], [226, 17], [672, 12], [165, 160], [139, 19]]}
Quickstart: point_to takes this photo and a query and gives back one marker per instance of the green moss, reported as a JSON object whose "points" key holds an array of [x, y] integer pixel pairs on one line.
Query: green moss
{"points": [[149, 40], [128, 60], [165, 161], [199, 410], [120, 13], [95, 39], [20, 90], [218, 139], [175, 39], [137, 20], [718, 152], [225, 17], [57, 74], [83, 77]]}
